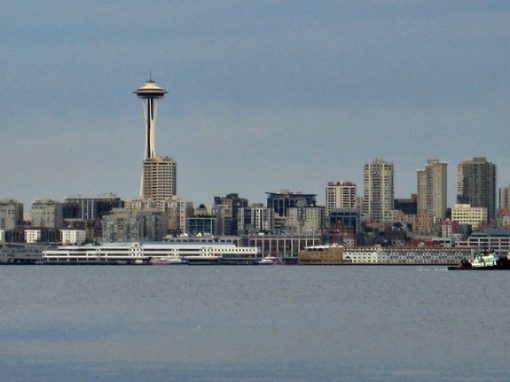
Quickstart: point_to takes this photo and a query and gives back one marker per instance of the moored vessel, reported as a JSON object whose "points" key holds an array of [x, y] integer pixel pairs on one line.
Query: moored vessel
{"points": [[270, 260], [168, 261]]}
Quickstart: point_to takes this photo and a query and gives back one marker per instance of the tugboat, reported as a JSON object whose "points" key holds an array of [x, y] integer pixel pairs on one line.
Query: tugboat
{"points": [[484, 261]]}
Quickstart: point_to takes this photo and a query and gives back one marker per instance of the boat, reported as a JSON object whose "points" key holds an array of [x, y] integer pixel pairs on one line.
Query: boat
{"points": [[270, 260], [168, 261], [484, 261]]}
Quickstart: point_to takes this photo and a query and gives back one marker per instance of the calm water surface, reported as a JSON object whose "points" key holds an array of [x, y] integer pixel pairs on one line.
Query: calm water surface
{"points": [[182, 323]]}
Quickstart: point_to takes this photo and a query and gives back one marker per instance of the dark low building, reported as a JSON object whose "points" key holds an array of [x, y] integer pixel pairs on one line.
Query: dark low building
{"points": [[408, 206], [345, 217], [202, 226], [78, 207], [280, 202]]}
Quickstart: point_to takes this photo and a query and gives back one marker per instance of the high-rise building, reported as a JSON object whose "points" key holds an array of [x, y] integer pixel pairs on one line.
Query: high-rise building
{"points": [[124, 225], [305, 220], [159, 179], [378, 199], [225, 209], [476, 184], [340, 195], [504, 197], [255, 218], [11, 214], [47, 213], [432, 189], [177, 212]]}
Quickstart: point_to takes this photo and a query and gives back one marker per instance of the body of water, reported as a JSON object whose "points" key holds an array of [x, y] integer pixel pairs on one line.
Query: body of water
{"points": [[249, 323]]}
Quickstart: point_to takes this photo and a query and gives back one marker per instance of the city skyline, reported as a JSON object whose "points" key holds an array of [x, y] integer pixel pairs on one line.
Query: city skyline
{"points": [[262, 97]]}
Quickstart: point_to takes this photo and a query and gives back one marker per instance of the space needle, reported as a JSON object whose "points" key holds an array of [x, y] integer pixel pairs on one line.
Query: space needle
{"points": [[150, 93], [159, 176]]}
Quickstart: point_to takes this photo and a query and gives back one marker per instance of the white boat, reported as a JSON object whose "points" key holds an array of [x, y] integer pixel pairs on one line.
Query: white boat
{"points": [[270, 260], [167, 261]]}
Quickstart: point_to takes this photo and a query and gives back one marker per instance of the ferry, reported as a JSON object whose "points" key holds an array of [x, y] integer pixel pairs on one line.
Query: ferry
{"points": [[148, 253]]}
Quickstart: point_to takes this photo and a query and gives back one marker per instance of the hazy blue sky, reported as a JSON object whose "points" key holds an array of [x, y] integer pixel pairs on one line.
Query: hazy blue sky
{"points": [[263, 95]]}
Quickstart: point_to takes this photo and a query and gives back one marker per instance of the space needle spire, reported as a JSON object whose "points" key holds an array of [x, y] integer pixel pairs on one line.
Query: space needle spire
{"points": [[150, 93]]}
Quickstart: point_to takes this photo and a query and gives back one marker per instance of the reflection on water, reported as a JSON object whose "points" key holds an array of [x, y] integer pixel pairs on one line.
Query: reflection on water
{"points": [[247, 323]]}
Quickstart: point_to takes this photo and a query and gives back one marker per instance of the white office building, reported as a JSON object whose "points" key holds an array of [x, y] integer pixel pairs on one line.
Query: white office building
{"points": [[33, 235], [474, 216], [73, 236]]}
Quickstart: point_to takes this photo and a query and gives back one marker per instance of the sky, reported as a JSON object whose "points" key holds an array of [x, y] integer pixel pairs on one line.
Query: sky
{"points": [[262, 95]]}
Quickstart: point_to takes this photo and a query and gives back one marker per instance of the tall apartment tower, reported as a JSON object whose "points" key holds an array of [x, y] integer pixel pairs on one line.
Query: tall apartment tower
{"points": [[159, 178], [504, 197], [379, 191], [476, 184], [340, 195], [432, 189]]}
